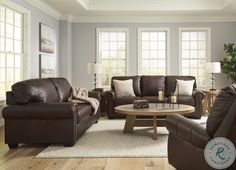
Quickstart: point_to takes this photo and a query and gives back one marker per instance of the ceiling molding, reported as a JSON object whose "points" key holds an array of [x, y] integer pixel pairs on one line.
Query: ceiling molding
{"points": [[156, 18], [45, 8]]}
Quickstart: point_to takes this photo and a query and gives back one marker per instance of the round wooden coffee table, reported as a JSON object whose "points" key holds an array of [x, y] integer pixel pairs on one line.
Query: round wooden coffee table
{"points": [[154, 110]]}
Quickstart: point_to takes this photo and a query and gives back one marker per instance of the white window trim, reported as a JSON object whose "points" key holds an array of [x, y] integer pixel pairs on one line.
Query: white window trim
{"points": [[167, 30], [97, 59], [208, 29]]}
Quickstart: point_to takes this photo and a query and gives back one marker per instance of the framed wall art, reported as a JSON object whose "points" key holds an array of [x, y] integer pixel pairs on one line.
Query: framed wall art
{"points": [[46, 39], [47, 66]]}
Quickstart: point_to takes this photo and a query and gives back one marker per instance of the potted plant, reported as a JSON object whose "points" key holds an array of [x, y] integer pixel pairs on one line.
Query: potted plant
{"points": [[229, 62]]}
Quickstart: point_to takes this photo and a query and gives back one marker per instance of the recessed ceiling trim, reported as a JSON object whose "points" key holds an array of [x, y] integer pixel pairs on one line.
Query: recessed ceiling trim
{"points": [[45, 8], [155, 19], [84, 3]]}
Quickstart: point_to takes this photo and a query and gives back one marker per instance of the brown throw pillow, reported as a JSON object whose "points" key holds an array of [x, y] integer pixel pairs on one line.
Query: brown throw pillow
{"points": [[220, 108]]}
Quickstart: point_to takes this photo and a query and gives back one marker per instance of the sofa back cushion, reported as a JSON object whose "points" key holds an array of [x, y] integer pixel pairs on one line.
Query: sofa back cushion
{"points": [[136, 83], [221, 107], [150, 85], [35, 90], [170, 83], [63, 88]]}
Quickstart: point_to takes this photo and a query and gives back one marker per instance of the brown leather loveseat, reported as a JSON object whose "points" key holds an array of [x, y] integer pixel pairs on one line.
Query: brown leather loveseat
{"points": [[38, 111], [146, 87], [187, 139]]}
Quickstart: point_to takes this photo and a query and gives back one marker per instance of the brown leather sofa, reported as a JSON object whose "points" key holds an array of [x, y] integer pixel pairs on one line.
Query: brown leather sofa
{"points": [[38, 111], [187, 139], [146, 87]]}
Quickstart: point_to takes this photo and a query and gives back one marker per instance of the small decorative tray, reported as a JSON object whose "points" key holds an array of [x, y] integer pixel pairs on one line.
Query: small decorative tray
{"points": [[140, 104]]}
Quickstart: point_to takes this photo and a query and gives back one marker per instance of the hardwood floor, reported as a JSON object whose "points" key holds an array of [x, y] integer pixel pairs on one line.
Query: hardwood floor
{"points": [[23, 158]]}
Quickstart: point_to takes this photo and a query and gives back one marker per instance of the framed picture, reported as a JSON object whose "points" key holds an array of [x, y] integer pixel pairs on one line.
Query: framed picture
{"points": [[46, 39], [47, 66]]}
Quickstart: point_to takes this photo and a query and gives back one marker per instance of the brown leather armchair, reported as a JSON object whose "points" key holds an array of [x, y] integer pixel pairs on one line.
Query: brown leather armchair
{"points": [[38, 111], [187, 139]]}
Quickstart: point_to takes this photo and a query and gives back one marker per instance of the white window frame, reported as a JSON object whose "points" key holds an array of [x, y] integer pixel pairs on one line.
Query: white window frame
{"points": [[98, 60], [197, 29], [26, 38], [167, 30]]}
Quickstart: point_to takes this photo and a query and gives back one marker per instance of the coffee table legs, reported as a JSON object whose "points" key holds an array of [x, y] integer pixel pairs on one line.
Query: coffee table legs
{"points": [[129, 124], [155, 127]]}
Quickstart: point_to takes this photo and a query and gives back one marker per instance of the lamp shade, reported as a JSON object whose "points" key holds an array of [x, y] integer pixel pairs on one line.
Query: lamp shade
{"points": [[94, 68], [213, 67]]}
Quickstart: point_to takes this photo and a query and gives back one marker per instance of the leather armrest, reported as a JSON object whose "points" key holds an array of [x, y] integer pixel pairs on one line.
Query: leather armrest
{"points": [[197, 94], [187, 130], [96, 95], [110, 95], [57, 110]]}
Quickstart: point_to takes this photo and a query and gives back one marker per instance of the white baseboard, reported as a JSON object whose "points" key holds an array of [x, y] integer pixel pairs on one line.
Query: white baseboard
{"points": [[1, 122]]}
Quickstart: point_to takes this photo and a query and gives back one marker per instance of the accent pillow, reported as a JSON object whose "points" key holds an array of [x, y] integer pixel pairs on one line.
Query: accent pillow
{"points": [[185, 87], [124, 88]]}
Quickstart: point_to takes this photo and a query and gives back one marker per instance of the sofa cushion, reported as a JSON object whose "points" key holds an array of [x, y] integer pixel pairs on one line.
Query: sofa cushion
{"points": [[150, 85], [220, 108], [125, 100], [84, 112], [170, 83], [63, 88], [183, 99], [35, 90], [150, 99], [136, 83]]}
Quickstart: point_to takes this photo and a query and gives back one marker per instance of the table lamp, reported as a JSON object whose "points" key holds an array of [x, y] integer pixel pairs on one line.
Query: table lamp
{"points": [[94, 68], [213, 68]]}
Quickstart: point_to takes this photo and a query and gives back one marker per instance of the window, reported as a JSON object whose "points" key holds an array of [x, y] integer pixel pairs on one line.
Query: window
{"points": [[11, 43], [153, 51], [194, 53], [112, 53]]}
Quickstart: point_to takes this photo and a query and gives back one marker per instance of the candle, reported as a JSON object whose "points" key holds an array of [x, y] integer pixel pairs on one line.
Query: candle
{"points": [[173, 99], [160, 95]]}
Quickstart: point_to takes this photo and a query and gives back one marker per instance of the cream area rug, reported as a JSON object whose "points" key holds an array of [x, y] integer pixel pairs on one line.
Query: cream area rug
{"points": [[106, 139]]}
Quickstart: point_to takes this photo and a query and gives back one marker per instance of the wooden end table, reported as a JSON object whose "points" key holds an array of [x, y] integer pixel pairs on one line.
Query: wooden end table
{"points": [[209, 100], [154, 110]]}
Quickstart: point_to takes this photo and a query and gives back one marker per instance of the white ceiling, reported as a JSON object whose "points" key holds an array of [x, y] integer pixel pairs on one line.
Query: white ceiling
{"points": [[135, 10]]}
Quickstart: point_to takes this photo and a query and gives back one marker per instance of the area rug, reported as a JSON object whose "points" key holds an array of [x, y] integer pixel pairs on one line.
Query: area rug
{"points": [[106, 139]]}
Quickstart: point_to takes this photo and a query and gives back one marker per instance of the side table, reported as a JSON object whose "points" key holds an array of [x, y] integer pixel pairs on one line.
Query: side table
{"points": [[103, 103], [209, 100]]}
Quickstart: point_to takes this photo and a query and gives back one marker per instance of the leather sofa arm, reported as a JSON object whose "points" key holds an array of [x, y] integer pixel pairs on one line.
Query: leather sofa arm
{"points": [[110, 95], [187, 130], [55, 110], [96, 95], [199, 95]]}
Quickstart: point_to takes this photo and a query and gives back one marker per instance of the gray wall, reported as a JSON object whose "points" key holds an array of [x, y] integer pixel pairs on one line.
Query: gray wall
{"points": [[65, 50], [38, 16], [84, 46]]}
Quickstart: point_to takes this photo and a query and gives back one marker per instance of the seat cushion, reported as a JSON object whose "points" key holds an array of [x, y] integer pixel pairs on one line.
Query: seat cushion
{"points": [[150, 99], [220, 108], [63, 88], [125, 100], [150, 85], [84, 112], [136, 83], [188, 100], [35, 90], [170, 83]]}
